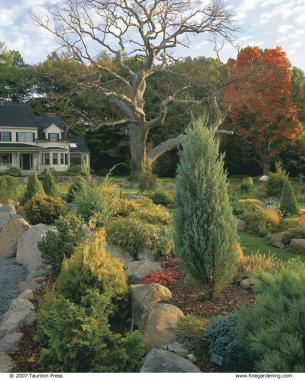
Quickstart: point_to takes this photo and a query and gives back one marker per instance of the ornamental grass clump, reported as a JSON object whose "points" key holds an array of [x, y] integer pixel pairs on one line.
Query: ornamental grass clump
{"points": [[100, 201], [203, 222]]}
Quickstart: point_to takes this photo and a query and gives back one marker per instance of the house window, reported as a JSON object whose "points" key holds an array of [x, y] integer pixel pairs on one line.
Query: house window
{"points": [[62, 158], [25, 136], [53, 137], [47, 158], [55, 158], [66, 159], [5, 136], [6, 158]]}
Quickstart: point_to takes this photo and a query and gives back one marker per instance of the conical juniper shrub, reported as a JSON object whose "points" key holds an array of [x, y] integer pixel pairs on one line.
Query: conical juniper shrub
{"points": [[33, 187], [204, 224], [289, 205], [49, 184]]}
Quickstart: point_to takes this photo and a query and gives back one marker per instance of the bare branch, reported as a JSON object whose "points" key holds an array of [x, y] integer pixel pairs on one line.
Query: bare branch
{"points": [[170, 144], [139, 35]]}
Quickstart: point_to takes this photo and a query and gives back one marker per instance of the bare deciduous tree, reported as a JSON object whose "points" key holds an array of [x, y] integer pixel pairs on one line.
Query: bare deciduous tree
{"points": [[145, 30]]}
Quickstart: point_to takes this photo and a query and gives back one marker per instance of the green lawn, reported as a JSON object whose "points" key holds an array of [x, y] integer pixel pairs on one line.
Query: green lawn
{"points": [[251, 244]]}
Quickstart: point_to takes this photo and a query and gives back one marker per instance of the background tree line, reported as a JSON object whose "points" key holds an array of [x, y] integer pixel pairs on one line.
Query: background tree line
{"points": [[51, 87]]}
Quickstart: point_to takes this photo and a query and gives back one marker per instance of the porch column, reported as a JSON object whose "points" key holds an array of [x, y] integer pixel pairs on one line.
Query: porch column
{"points": [[18, 160]]}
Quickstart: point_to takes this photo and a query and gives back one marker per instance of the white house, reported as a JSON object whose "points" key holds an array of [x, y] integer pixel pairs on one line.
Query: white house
{"points": [[29, 142]]}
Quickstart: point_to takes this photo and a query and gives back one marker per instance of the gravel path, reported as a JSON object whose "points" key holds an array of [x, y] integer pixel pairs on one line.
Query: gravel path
{"points": [[11, 274]]}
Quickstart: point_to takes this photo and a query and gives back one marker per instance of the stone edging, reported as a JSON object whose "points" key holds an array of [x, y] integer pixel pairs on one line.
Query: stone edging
{"points": [[21, 311]]}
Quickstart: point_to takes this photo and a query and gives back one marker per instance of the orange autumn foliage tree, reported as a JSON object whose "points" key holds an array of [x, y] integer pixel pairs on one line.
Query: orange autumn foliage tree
{"points": [[260, 101]]}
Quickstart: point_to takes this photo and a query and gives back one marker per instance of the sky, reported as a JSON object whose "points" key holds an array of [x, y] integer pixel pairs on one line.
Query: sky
{"points": [[264, 23]]}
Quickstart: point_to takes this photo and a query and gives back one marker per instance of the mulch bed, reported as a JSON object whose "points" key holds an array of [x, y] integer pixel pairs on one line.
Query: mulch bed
{"points": [[27, 354], [191, 301]]}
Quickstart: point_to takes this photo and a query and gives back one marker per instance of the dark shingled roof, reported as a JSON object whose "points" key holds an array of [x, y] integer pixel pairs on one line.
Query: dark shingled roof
{"points": [[17, 115], [20, 145], [81, 146], [22, 115], [45, 121]]}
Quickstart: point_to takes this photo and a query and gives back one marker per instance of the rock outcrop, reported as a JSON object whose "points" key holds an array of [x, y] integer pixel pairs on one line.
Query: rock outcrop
{"points": [[144, 297], [160, 361], [157, 325], [10, 234]]}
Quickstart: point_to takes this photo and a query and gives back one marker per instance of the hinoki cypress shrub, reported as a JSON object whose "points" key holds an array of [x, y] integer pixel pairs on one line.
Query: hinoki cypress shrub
{"points": [[203, 221], [289, 205]]}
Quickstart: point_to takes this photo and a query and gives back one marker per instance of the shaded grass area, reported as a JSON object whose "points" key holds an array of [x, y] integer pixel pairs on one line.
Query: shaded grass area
{"points": [[252, 244]]}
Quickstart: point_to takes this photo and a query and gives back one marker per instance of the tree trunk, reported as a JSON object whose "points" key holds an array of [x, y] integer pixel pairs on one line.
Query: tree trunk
{"points": [[266, 167], [265, 163], [137, 139]]}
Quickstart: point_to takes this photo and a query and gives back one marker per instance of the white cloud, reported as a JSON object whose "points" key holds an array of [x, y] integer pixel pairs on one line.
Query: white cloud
{"points": [[284, 28], [267, 23], [8, 16]]}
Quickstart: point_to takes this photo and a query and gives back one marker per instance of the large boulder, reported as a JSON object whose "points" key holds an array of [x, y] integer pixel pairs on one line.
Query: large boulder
{"points": [[160, 361], [6, 215], [177, 348], [277, 239], [142, 268], [298, 245], [6, 363], [157, 325], [10, 234], [8, 208], [12, 320], [21, 312], [10, 341], [27, 252], [144, 297]]}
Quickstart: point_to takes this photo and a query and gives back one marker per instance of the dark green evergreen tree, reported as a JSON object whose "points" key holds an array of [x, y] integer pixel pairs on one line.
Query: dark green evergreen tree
{"points": [[33, 187], [49, 184], [204, 224], [289, 204]]}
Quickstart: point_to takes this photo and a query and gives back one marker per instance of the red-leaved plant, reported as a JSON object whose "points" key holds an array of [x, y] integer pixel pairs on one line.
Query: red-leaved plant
{"points": [[165, 277]]}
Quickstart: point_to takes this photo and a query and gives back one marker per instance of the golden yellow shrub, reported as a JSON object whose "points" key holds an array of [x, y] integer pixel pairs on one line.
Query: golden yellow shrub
{"points": [[251, 203]]}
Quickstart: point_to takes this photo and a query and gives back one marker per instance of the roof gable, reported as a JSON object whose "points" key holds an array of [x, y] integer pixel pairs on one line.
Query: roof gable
{"points": [[22, 116]]}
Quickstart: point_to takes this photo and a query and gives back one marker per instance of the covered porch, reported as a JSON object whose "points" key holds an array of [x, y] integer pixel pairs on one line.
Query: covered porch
{"points": [[24, 159]]}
